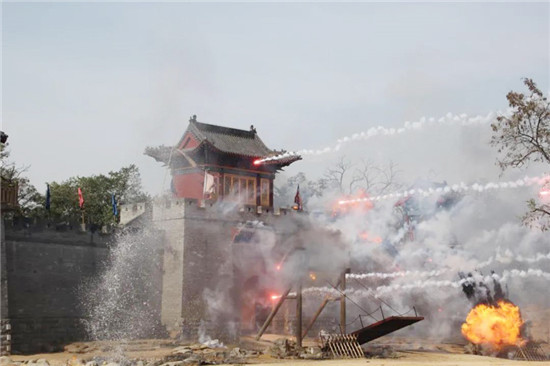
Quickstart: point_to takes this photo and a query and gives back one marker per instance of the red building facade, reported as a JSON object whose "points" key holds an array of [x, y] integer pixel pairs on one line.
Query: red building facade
{"points": [[213, 163]]}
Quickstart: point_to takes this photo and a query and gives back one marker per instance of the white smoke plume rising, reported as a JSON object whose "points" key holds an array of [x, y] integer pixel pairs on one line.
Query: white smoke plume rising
{"points": [[449, 120]]}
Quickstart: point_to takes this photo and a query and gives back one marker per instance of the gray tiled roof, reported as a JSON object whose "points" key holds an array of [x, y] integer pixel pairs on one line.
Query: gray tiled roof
{"points": [[230, 140]]}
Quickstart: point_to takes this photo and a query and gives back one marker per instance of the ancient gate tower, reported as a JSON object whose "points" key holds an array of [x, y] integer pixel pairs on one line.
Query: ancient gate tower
{"points": [[218, 189]]}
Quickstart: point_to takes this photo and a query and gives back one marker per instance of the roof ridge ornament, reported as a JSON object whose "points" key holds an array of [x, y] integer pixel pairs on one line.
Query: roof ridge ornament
{"points": [[193, 118]]}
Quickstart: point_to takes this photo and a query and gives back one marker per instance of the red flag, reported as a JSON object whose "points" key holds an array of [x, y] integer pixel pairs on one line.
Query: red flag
{"points": [[80, 198], [298, 199]]}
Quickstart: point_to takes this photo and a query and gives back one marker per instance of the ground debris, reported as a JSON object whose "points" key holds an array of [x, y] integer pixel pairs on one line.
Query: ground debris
{"points": [[7, 361], [381, 352], [284, 348], [312, 353]]}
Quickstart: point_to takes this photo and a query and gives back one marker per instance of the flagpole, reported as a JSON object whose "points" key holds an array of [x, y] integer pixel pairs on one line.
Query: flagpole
{"points": [[48, 205], [82, 209]]}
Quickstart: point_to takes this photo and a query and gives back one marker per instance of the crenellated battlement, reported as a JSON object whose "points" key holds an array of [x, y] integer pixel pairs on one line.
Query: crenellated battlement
{"points": [[181, 208]]}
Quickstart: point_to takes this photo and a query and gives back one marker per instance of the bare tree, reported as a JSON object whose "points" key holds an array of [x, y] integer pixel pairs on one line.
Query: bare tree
{"points": [[523, 137], [373, 179], [336, 175], [366, 174]]}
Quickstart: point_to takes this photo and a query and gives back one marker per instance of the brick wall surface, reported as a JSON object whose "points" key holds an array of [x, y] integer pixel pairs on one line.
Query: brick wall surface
{"points": [[43, 275], [201, 281]]}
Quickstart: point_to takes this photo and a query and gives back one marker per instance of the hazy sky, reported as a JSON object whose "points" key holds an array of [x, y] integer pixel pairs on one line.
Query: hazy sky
{"points": [[85, 87]]}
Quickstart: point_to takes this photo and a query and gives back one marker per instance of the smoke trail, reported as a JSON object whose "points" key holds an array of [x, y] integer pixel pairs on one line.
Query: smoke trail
{"points": [[361, 276], [320, 291], [509, 257], [461, 187], [423, 284], [505, 258], [382, 290], [448, 120], [522, 274]]}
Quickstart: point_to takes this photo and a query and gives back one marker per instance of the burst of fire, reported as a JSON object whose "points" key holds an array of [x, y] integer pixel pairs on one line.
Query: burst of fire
{"points": [[358, 203], [257, 162], [495, 325], [275, 297], [365, 236]]}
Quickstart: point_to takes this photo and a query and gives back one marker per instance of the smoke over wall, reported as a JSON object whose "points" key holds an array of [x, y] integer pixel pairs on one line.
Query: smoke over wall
{"points": [[479, 233], [124, 301], [396, 262]]}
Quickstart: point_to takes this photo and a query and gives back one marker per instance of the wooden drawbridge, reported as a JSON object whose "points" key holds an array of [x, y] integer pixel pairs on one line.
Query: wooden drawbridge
{"points": [[383, 327]]}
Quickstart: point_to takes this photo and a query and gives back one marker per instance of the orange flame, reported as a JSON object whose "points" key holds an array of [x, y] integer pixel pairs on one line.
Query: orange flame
{"points": [[347, 204], [365, 236], [497, 326]]}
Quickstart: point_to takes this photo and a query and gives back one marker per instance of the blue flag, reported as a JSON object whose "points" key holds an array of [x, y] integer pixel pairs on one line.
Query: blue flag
{"points": [[113, 201], [48, 197]]}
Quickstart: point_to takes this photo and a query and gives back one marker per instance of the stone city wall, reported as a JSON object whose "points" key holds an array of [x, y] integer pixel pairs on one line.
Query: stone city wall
{"points": [[44, 271]]}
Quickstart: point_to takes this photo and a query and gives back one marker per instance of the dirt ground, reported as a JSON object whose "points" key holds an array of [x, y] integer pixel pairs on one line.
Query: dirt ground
{"points": [[403, 352], [417, 359]]}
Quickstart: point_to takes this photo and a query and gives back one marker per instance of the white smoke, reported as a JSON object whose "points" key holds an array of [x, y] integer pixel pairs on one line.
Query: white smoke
{"points": [[480, 232], [408, 274], [123, 302], [448, 120], [455, 188]]}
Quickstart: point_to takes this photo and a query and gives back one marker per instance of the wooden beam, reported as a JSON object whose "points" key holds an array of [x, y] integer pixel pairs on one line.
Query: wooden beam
{"points": [[318, 312], [272, 314], [343, 301], [298, 332]]}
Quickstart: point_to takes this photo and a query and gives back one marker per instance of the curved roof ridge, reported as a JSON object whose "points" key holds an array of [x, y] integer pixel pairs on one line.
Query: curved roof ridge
{"points": [[229, 140], [207, 127]]}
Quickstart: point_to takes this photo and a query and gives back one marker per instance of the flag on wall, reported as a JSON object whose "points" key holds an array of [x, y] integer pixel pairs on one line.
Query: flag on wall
{"points": [[48, 197], [115, 208], [80, 198], [209, 187]]}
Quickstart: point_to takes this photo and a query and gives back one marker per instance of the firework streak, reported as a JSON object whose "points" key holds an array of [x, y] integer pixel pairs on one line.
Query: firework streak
{"points": [[456, 188], [509, 257], [422, 284], [448, 120], [361, 276]]}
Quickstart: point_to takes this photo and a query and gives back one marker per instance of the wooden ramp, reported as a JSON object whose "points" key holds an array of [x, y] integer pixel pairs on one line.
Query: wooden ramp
{"points": [[383, 327], [531, 352]]}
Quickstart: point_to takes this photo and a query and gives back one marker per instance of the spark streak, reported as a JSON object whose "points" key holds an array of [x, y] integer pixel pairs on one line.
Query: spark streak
{"points": [[424, 284], [361, 276], [448, 120], [461, 187]]}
